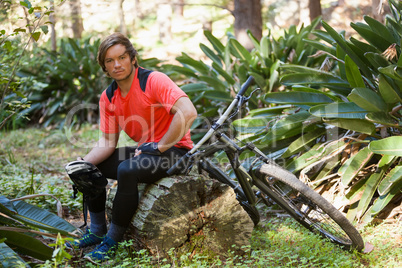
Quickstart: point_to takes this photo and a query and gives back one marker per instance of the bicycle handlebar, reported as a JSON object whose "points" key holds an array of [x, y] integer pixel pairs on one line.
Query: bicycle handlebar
{"points": [[183, 162], [246, 85]]}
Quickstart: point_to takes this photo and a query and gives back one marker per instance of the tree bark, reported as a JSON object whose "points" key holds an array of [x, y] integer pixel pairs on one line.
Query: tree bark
{"points": [[315, 9], [52, 19], [76, 19], [164, 18], [123, 27], [190, 214], [248, 16]]}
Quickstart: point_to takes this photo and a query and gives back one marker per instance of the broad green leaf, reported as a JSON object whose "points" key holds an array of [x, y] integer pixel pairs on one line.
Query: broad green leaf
{"points": [[303, 142], [45, 29], [198, 65], [195, 87], [223, 73], [338, 110], [301, 88], [252, 124], [377, 60], [368, 193], [214, 82], [218, 96], [353, 165], [8, 257], [253, 39], [341, 54], [370, 36], [345, 46], [389, 146], [286, 127], [392, 178], [391, 71], [36, 36], [313, 155], [382, 118], [368, 100], [388, 92], [324, 36], [293, 68], [182, 70], [356, 189], [318, 78], [211, 54], [41, 218], [357, 125], [265, 45], [260, 80], [380, 28], [355, 79], [367, 48], [275, 110], [218, 46], [326, 170], [396, 26], [228, 60], [289, 122], [297, 98], [386, 160], [239, 51], [320, 46], [6, 206], [274, 74], [27, 245], [380, 203]]}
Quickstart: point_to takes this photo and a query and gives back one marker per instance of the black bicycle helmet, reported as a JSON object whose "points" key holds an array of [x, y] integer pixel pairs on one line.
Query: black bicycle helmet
{"points": [[87, 179]]}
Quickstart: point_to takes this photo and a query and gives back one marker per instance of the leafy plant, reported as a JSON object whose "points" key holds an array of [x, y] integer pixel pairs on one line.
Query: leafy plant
{"points": [[339, 127], [12, 50], [22, 225], [212, 83]]}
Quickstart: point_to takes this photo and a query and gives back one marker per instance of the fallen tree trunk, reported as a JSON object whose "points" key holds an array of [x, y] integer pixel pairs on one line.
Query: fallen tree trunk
{"points": [[190, 214]]}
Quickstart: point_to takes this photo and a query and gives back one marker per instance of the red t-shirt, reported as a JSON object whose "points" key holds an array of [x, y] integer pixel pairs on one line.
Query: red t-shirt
{"points": [[144, 114]]}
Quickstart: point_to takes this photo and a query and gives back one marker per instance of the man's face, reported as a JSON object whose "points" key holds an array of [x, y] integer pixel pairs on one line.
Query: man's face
{"points": [[118, 63]]}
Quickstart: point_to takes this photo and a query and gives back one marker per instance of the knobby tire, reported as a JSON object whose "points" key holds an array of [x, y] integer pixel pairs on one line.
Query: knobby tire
{"points": [[306, 206]]}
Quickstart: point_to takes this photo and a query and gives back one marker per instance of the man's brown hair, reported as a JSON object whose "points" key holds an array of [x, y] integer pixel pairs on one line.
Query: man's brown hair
{"points": [[115, 39]]}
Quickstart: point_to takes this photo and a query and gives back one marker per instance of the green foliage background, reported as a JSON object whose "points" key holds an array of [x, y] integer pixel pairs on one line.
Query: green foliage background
{"points": [[327, 108]]}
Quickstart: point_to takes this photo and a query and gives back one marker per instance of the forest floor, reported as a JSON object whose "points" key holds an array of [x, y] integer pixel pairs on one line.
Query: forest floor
{"points": [[34, 159]]}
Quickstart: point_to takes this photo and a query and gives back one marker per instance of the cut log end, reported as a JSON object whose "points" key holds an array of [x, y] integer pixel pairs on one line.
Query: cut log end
{"points": [[189, 214]]}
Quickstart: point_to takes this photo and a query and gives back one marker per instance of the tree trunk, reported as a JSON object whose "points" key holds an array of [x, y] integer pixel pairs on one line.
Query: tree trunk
{"points": [[52, 19], [179, 8], [76, 19], [123, 28], [190, 214], [315, 9], [248, 16], [164, 18]]}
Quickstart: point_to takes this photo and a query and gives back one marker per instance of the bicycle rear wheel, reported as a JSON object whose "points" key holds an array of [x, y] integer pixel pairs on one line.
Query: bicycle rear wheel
{"points": [[306, 206]]}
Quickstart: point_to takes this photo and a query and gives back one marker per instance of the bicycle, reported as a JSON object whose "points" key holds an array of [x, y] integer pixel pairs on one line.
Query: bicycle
{"points": [[265, 181]]}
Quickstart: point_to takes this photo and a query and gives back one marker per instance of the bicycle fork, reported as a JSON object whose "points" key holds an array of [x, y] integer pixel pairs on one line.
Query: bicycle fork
{"points": [[232, 151]]}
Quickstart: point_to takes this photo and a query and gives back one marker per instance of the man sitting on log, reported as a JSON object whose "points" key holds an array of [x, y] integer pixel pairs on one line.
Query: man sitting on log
{"points": [[153, 111]]}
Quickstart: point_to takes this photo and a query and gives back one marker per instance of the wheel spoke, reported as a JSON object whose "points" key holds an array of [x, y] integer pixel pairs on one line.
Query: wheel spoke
{"points": [[310, 213]]}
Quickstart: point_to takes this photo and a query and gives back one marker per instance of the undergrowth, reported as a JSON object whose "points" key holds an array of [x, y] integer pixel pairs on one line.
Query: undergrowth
{"points": [[32, 161]]}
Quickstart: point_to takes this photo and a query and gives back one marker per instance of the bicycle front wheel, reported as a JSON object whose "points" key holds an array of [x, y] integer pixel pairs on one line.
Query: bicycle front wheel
{"points": [[306, 206]]}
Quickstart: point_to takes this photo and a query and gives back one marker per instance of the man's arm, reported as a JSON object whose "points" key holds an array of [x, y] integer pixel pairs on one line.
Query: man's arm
{"points": [[184, 116], [103, 148]]}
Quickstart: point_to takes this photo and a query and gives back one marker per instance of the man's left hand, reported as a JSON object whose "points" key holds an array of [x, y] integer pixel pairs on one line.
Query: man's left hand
{"points": [[149, 148]]}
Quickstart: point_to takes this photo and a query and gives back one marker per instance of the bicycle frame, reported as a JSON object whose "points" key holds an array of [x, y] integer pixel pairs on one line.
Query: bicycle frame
{"points": [[232, 150]]}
